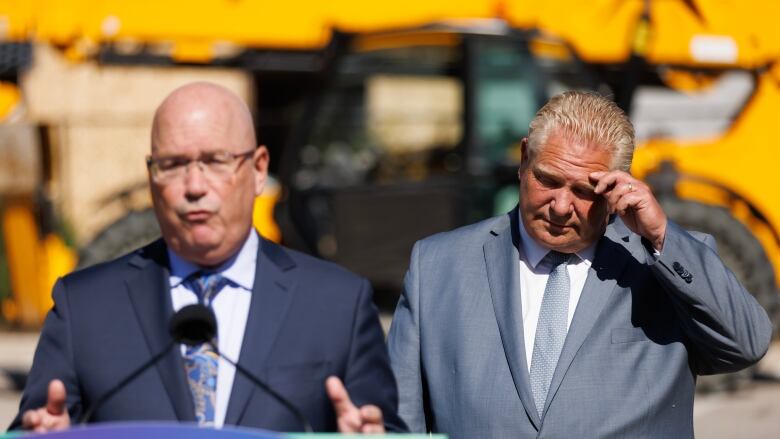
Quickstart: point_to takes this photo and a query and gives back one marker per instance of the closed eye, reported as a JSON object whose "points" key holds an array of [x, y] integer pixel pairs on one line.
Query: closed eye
{"points": [[172, 163], [546, 180], [584, 192]]}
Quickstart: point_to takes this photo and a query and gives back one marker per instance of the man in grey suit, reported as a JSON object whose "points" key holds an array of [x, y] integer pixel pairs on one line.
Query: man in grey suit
{"points": [[584, 312]]}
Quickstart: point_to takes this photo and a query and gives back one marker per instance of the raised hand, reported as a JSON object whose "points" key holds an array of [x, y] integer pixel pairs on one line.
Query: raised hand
{"points": [[633, 200], [353, 419], [52, 417]]}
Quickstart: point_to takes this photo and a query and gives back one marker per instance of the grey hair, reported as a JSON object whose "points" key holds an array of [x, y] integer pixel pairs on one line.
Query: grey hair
{"points": [[588, 117]]}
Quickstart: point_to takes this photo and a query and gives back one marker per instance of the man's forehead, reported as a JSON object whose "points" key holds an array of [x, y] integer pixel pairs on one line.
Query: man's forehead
{"points": [[582, 178], [205, 110], [201, 130], [565, 146]]}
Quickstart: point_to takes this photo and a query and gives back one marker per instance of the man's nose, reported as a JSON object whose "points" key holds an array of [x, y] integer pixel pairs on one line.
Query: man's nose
{"points": [[195, 180], [562, 204]]}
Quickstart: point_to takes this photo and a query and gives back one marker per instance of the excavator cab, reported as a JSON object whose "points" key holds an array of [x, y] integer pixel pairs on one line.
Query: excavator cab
{"points": [[413, 133]]}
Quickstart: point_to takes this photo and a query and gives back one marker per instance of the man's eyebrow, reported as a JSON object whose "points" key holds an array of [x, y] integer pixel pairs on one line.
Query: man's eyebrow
{"points": [[585, 185], [540, 169]]}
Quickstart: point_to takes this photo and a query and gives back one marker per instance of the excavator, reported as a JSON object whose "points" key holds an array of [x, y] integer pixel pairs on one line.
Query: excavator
{"points": [[389, 121]]}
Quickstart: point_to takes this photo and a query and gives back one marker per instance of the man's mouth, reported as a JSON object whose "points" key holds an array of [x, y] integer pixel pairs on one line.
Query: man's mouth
{"points": [[196, 216], [554, 224]]}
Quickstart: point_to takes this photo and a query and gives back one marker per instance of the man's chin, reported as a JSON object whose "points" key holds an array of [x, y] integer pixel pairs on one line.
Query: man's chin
{"points": [[563, 242], [201, 252]]}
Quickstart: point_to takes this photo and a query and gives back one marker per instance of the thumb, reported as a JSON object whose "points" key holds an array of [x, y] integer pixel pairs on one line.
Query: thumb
{"points": [[55, 403], [338, 396]]}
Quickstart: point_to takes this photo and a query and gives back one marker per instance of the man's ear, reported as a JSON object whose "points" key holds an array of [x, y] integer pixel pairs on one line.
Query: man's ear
{"points": [[260, 162], [524, 150], [524, 156]]}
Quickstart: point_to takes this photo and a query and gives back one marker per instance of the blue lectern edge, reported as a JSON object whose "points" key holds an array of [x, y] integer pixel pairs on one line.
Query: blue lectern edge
{"points": [[19, 434], [372, 436]]}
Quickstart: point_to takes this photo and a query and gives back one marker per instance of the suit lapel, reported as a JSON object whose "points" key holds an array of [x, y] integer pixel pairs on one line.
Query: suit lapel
{"points": [[149, 293], [272, 295], [608, 264], [501, 260]]}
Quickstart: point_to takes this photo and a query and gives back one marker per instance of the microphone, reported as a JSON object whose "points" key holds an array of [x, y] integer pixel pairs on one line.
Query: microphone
{"points": [[193, 325], [196, 324]]}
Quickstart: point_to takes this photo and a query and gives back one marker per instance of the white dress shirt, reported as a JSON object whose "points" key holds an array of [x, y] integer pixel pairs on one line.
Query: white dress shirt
{"points": [[230, 305], [533, 279]]}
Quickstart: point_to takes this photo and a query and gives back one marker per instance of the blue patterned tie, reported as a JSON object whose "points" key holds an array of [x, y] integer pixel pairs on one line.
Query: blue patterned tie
{"points": [[551, 328], [201, 362]]}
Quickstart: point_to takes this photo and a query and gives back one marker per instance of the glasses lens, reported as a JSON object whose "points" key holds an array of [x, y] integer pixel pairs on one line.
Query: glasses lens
{"points": [[219, 164], [169, 168]]}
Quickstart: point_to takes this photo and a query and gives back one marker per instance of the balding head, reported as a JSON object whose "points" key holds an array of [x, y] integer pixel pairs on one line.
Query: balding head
{"points": [[205, 208], [204, 102]]}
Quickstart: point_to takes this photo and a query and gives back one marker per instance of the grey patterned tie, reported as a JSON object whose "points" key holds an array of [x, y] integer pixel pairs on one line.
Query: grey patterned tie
{"points": [[551, 328]]}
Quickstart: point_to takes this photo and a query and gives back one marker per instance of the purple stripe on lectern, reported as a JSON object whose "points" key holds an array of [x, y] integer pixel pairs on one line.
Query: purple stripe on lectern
{"points": [[149, 430]]}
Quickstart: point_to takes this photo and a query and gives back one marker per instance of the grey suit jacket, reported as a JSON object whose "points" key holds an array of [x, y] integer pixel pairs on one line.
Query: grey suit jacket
{"points": [[643, 330]]}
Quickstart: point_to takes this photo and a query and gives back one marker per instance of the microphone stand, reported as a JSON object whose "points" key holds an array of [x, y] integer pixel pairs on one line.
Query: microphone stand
{"points": [[91, 410], [256, 381]]}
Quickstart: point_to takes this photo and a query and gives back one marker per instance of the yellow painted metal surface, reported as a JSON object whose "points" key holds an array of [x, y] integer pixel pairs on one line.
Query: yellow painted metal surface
{"points": [[193, 30], [698, 33], [744, 160], [694, 32], [381, 41], [9, 99], [34, 265], [263, 214], [600, 30]]}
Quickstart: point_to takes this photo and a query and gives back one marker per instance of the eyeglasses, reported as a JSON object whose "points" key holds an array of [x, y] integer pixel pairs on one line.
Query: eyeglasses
{"points": [[215, 165]]}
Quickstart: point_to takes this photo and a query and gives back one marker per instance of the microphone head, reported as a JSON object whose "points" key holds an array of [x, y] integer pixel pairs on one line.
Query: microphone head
{"points": [[193, 325]]}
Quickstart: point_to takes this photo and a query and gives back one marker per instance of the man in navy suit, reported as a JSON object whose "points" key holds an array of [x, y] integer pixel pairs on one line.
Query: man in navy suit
{"points": [[306, 327]]}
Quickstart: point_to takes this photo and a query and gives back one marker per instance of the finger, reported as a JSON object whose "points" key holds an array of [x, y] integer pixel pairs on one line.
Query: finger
{"points": [[602, 180], [338, 396], [371, 420], [55, 403], [620, 190], [373, 429], [371, 414], [627, 202], [606, 181], [30, 420], [49, 422], [597, 175]]}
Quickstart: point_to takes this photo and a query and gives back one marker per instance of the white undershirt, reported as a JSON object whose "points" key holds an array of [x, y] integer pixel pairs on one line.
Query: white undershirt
{"points": [[533, 279], [230, 305]]}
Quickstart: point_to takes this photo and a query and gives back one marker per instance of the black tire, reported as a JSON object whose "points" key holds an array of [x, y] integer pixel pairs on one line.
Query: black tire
{"points": [[130, 232], [743, 254]]}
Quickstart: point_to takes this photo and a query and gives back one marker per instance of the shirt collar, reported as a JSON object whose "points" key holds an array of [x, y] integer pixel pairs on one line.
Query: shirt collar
{"points": [[239, 269], [534, 253]]}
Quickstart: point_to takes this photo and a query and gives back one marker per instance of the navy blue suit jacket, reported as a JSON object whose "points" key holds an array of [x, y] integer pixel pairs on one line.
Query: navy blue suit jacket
{"points": [[308, 319]]}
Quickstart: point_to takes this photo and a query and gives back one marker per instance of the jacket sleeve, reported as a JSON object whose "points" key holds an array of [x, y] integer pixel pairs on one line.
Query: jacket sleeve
{"points": [[727, 328], [368, 377], [404, 347], [53, 360]]}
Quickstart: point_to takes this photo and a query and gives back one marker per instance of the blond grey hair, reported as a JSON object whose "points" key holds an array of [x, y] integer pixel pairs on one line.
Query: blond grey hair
{"points": [[587, 117]]}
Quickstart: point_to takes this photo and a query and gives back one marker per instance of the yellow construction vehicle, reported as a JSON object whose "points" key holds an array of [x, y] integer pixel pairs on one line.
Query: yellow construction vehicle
{"points": [[389, 121]]}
